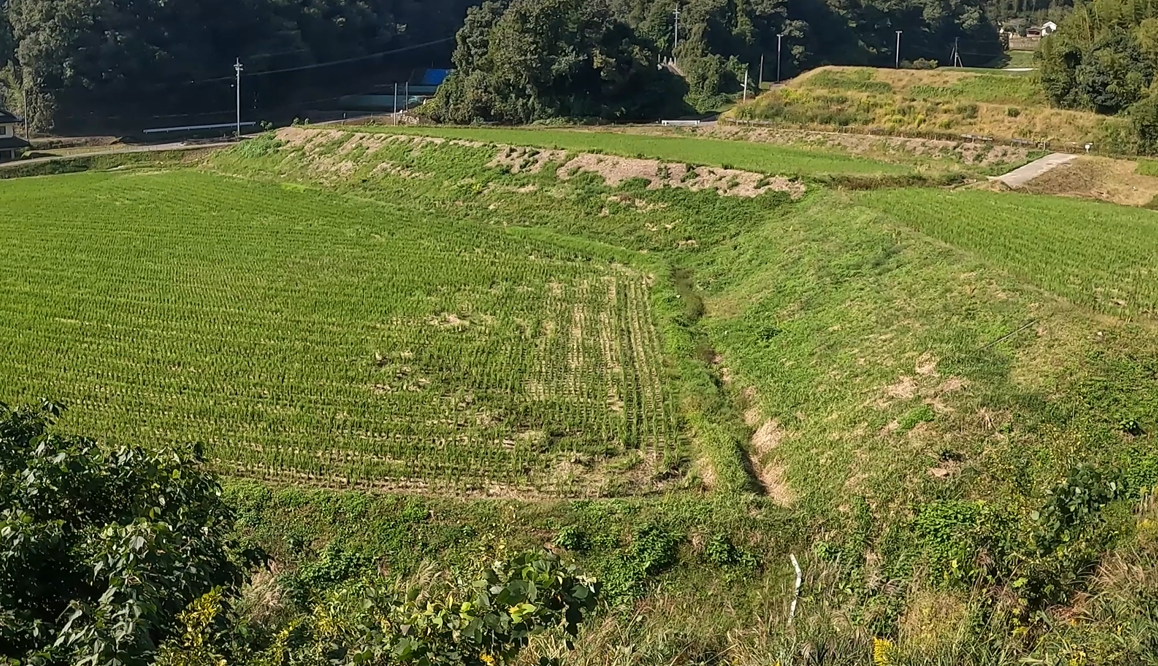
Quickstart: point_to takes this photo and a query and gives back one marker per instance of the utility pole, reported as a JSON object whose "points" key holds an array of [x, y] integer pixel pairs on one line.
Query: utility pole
{"points": [[238, 69], [677, 32], [395, 103], [899, 49], [778, 39], [745, 84], [957, 53], [760, 77]]}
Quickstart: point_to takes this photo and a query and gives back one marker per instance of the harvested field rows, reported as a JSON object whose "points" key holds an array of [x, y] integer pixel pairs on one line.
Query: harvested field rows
{"points": [[308, 337]]}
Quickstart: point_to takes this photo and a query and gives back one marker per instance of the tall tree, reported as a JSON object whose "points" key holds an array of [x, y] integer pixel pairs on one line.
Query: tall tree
{"points": [[47, 33], [537, 59], [1103, 57]]}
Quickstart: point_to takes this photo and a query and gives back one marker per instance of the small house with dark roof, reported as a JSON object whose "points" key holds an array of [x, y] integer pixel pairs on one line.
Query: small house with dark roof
{"points": [[11, 146]]}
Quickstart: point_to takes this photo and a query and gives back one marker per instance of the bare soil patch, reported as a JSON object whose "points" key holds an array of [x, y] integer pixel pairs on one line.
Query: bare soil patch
{"points": [[925, 383], [612, 169], [728, 182]]}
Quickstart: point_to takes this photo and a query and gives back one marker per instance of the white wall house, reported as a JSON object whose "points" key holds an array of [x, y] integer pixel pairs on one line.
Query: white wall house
{"points": [[11, 146], [1048, 28]]}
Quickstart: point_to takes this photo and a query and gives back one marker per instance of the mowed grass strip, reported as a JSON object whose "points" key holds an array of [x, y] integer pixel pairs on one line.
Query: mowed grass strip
{"points": [[1098, 255], [311, 337], [761, 158]]}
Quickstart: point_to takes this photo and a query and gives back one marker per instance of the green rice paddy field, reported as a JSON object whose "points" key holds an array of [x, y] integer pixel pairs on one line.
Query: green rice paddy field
{"points": [[303, 333]]}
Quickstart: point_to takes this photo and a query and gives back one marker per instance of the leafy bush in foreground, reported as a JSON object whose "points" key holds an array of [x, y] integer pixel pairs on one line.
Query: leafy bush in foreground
{"points": [[125, 557], [436, 621], [101, 548]]}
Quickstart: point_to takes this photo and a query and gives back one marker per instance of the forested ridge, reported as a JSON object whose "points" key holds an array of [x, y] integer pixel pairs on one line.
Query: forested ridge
{"points": [[1103, 58], [64, 61]]}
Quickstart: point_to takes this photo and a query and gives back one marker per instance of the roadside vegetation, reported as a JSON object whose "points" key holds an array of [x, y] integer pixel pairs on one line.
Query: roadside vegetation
{"points": [[941, 406]]}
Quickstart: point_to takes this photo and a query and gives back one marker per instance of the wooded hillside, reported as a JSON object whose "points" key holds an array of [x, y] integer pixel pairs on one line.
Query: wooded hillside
{"points": [[1103, 58], [64, 62], [71, 59]]}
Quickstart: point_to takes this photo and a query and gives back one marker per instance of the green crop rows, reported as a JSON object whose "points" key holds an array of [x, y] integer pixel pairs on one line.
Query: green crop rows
{"points": [[309, 337], [1094, 254]]}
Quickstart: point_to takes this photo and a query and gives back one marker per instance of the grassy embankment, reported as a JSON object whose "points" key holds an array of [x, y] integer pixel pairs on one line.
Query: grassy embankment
{"points": [[944, 102], [733, 154], [1019, 59], [893, 385], [822, 159]]}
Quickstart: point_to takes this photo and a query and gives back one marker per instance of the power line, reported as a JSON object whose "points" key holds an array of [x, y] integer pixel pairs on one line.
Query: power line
{"points": [[335, 62], [277, 53], [180, 81]]}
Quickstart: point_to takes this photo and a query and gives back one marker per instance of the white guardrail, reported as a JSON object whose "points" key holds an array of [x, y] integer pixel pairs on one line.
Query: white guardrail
{"points": [[193, 128]]}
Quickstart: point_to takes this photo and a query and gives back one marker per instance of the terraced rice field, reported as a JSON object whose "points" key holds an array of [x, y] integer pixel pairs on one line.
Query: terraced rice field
{"points": [[1095, 254], [309, 337]]}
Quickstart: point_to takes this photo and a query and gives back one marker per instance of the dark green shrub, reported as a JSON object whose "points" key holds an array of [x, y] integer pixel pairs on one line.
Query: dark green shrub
{"points": [[102, 548], [572, 538]]}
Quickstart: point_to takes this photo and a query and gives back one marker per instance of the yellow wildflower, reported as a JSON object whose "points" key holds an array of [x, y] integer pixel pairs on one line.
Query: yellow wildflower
{"points": [[882, 650], [487, 659]]}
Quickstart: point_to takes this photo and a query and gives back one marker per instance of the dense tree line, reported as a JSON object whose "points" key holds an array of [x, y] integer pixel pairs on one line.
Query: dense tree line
{"points": [[1036, 11], [66, 59], [59, 57], [507, 50], [536, 59], [1103, 58]]}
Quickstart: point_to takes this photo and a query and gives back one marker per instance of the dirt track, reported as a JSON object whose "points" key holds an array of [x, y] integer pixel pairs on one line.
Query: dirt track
{"points": [[118, 151]]}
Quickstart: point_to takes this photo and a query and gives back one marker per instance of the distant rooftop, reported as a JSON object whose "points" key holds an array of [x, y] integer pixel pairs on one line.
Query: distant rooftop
{"points": [[13, 142], [432, 77], [6, 117]]}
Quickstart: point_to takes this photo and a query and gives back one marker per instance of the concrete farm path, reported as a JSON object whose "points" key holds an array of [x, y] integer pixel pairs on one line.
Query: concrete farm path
{"points": [[1023, 175]]}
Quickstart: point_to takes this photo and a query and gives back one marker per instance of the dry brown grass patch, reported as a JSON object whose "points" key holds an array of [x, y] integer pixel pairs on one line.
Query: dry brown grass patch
{"points": [[769, 473], [1101, 178], [934, 618]]}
